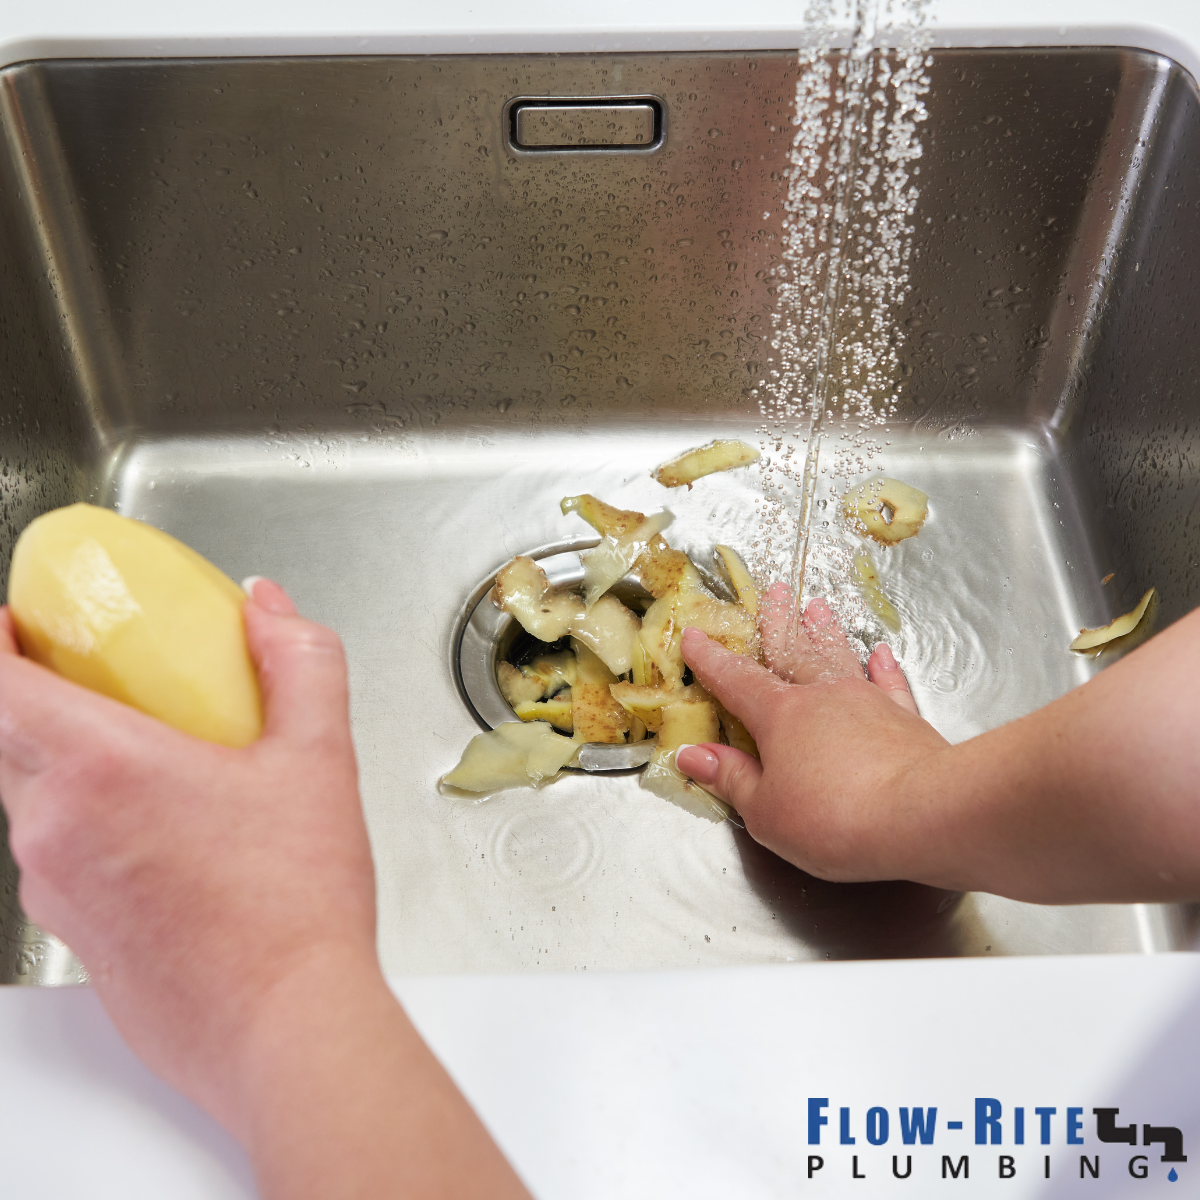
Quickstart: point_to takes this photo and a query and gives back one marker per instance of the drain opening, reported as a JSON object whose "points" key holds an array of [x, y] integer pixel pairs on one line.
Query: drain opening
{"points": [[489, 636], [486, 636]]}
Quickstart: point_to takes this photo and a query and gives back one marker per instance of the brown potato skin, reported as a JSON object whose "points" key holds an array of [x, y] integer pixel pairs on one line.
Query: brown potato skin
{"points": [[597, 716]]}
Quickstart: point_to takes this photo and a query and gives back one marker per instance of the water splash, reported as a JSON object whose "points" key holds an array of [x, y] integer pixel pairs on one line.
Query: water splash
{"points": [[848, 234]]}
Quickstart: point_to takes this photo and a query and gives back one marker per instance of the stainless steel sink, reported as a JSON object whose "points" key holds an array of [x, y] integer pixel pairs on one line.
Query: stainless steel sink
{"points": [[323, 320]]}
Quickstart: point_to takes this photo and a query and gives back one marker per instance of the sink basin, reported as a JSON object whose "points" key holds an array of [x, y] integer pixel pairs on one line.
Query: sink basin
{"points": [[322, 320]]}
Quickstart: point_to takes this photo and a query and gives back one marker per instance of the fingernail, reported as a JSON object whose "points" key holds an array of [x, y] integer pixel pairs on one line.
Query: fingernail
{"points": [[818, 614], [887, 660], [691, 634], [272, 598], [702, 765]]}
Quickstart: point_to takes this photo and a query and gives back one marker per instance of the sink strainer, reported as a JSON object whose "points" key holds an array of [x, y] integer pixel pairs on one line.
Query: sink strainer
{"points": [[487, 636]]}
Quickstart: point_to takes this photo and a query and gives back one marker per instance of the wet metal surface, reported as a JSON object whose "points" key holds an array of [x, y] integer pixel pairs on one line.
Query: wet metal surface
{"points": [[318, 320]]}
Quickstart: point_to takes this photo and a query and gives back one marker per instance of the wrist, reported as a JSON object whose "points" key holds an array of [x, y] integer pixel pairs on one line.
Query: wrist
{"points": [[326, 1001]]}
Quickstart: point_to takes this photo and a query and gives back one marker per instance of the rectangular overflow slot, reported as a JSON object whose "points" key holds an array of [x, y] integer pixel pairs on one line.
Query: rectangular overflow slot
{"points": [[608, 123]]}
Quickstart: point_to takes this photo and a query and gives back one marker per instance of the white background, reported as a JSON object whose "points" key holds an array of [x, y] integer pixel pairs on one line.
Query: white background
{"points": [[680, 1083]]}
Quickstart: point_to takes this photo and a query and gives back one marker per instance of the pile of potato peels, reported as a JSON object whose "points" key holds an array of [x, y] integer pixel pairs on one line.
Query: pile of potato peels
{"points": [[622, 679]]}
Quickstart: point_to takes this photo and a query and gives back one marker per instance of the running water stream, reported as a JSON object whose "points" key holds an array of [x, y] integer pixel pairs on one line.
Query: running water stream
{"points": [[848, 233]]}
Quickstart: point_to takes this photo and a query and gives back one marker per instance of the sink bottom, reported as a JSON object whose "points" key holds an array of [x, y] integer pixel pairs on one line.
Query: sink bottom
{"points": [[384, 542]]}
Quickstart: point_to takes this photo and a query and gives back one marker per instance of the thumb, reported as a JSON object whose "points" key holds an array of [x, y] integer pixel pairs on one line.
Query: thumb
{"points": [[731, 775], [301, 669]]}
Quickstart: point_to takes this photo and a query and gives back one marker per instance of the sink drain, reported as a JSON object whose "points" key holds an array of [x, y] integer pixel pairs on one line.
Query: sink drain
{"points": [[488, 636]]}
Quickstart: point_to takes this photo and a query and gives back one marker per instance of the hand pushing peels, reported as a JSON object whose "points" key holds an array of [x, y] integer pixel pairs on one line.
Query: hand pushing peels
{"points": [[830, 739]]}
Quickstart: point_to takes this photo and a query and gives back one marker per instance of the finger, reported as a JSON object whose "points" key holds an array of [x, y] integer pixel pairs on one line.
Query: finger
{"points": [[266, 593], [786, 646], [829, 641], [884, 672], [301, 671], [775, 620], [748, 690], [43, 716], [8, 632], [731, 775]]}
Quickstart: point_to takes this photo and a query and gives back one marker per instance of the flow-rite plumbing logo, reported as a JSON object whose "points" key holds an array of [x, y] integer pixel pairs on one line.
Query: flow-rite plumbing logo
{"points": [[1045, 1140]]}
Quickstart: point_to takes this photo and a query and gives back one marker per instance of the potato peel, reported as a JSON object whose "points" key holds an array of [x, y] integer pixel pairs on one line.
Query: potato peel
{"points": [[689, 721], [871, 590], [612, 560], [736, 734], [609, 630], [511, 755], [886, 509], [658, 567], [524, 592], [516, 686], [1090, 639], [553, 671], [705, 460], [662, 777], [557, 711], [671, 614], [645, 703], [597, 716], [740, 577]]}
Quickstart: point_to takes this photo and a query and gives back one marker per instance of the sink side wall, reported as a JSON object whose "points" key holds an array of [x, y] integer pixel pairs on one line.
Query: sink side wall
{"points": [[1129, 425]]}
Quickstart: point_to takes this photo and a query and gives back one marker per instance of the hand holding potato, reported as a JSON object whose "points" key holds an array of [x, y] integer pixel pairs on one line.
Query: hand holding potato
{"points": [[223, 900]]}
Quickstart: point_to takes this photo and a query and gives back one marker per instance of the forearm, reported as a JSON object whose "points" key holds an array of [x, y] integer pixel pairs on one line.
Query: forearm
{"points": [[1094, 798], [339, 1098]]}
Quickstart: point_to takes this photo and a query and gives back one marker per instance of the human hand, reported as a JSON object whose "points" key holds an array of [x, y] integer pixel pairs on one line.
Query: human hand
{"points": [[835, 746], [224, 902], [191, 878]]}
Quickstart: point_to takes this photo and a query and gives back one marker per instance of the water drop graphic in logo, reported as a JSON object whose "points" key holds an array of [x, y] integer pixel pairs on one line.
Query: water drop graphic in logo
{"points": [[1173, 1176]]}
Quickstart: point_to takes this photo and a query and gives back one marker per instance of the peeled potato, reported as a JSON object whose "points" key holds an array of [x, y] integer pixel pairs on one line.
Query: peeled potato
{"points": [[886, 509], [124, 609]]}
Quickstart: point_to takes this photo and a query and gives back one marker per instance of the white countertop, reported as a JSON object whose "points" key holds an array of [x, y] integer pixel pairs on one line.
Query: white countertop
{"points": [[677, 1083], [696, 1084], [82, 28]]}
